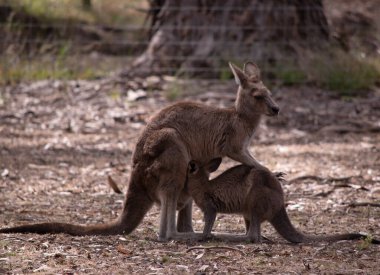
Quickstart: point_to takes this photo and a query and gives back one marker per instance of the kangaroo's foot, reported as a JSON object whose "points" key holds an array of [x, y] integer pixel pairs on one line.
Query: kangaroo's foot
{"points": [[182, 236], [226, 237], [186, 236]]}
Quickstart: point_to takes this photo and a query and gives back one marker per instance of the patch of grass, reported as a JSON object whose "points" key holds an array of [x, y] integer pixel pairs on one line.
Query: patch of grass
{"points": [[49, 62], [14, 70], [35, 71], [174, 91], [115, 94], [343, 73], [365, 243], [225, 74], [2, 100], [165, 259], [290, 75], [8, 254], [102, 11], [55, 10]]}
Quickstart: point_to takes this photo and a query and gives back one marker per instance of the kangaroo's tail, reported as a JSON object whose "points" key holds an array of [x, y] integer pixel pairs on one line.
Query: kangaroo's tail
{"points": [[136, 206], [72, 229], [285, 228]]}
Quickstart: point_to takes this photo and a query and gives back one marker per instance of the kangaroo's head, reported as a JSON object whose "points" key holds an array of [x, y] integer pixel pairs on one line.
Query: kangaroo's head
{"points": [[253, 96], [199, 173]]}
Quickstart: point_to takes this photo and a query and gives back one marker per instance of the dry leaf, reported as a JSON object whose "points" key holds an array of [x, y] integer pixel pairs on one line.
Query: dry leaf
{"points": [[122, 250], [200, 256], [113, 185], [203, 268]]}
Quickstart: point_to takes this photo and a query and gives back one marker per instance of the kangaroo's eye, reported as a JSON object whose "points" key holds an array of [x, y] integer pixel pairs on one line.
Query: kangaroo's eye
{"points": [[193, 168], [258, 97]]}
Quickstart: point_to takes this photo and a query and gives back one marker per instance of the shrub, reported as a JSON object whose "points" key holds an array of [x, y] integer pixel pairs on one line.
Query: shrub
{"points": [[343, 73]]}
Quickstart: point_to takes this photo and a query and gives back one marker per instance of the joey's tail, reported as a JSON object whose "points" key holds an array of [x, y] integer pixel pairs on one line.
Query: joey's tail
{"points": [[285, 228], [136, 206]]}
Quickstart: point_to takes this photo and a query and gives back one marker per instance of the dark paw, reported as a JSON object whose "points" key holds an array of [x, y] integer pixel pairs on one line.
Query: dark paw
{"points": [[209, 237], [280, 175]]}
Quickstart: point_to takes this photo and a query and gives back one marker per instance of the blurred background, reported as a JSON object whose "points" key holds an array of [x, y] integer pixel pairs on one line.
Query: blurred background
{"points": [[334, 44]]}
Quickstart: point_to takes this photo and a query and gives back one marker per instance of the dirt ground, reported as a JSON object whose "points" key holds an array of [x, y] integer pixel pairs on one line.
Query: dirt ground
{"points": [[60, 140]]}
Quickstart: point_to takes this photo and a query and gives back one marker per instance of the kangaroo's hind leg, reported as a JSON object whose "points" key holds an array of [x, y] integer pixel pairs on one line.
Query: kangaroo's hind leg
{"points": [[254, 231], [173, 161], [184, 222]]}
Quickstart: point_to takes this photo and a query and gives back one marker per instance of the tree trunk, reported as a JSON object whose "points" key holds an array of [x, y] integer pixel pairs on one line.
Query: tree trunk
{"points": [[200, 36]]}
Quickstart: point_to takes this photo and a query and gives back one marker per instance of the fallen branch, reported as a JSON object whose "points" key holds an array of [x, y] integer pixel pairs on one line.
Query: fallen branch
{"points": [[340, 185], [215, 247], [352, 126], [316, 178], [113, 185], [356, 204], [16, 238], [324, 194]]}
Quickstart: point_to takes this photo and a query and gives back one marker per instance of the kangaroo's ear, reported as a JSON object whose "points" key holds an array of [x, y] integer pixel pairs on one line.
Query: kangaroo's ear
{"points": [[193, 167], [239, 75], [252, 70], [213, 165]]}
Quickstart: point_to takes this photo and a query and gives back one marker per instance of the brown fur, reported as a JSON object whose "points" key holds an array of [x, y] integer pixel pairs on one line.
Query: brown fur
{"points": [[255, 193], [176, 135]]}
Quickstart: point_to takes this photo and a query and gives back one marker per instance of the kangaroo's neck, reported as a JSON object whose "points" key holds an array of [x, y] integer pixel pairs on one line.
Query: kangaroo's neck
{"points": [[249, 117], [195, 187]]}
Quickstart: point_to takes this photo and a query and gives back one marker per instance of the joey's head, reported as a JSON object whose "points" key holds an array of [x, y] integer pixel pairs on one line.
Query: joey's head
{"points": [[253, 96], [199, 173]]}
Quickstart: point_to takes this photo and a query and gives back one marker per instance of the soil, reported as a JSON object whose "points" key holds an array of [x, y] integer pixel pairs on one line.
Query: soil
{"points": [[59, 141]]}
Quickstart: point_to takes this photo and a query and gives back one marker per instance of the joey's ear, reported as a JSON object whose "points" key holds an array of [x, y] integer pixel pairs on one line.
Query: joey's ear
{"points": [[239, 75], [193, 167], [213, 165], [251, 69]]}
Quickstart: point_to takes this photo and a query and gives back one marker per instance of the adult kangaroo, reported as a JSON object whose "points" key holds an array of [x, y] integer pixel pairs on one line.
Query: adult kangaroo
{"points": [[177, 134], [256, 194]]}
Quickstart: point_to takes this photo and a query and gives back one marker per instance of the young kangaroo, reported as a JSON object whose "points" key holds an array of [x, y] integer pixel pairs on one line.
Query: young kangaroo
{"points": [[255, 193], [177, 134]]}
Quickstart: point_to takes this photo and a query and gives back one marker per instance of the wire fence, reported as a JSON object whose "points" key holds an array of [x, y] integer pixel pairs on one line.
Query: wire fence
{"points": [[66, 39]]}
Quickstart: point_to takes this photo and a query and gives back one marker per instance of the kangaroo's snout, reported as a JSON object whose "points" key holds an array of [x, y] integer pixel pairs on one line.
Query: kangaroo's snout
{"points": [[275, 110], [272, 109]]}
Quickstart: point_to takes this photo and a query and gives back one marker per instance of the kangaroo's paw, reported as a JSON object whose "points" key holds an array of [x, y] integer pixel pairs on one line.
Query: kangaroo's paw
{"points": [[280, 175]]}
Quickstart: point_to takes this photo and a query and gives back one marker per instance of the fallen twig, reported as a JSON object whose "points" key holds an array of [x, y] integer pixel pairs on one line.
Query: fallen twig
{"points": [[352, 125], [340, 185], [16, 238], [356, 204], [317, 178], [215, 247], [113, 185]]}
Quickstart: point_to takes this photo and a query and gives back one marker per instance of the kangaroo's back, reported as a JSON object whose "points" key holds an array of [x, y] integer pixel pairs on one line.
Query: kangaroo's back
{"points": [[202, 128], [229, 191], [232, 191]]}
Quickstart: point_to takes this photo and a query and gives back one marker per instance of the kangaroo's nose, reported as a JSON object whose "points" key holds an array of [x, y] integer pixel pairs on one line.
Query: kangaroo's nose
{"points": [[275, 110]]}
